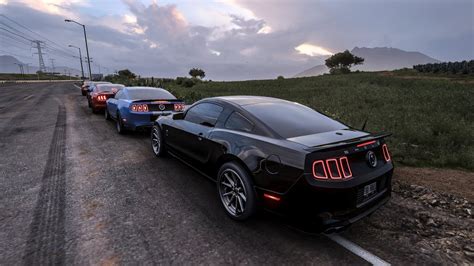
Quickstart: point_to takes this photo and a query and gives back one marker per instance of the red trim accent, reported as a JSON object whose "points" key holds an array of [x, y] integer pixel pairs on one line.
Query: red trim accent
{"points": [[329, 169], [347, 165], [366, 143], [324, 169], [268, 196], [386, 154]]}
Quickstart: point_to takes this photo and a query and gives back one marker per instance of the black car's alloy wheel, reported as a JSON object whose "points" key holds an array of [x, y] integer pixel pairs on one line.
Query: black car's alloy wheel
{"points": [[236, 191], [157, 142]]}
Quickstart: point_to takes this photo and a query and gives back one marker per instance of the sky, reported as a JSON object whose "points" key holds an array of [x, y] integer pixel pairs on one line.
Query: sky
{"points": [[238, 39]]}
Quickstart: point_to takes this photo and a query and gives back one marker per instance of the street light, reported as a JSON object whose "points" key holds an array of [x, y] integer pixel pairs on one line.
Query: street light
{"points": [[80, 59], [87, 48]]}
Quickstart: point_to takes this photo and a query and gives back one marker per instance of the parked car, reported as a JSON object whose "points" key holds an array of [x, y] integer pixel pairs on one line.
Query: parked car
{"points": [[135, 108], [282, 156], [85, 88], [99, 94]]}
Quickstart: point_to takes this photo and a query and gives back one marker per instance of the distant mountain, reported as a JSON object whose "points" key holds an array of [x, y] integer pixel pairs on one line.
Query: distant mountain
{"points": [[378, 59], [8, 64]]}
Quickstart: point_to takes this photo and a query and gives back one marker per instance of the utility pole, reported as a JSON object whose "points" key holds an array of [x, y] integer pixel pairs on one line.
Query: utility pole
{"points": [[52, 66], [21, 69], [87, 47], [80, 60], [42, 66]]}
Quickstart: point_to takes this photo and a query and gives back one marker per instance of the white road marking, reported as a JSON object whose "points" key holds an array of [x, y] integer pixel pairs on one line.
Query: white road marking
{"points": [[354, 248], [76, 86], [27, 97]]}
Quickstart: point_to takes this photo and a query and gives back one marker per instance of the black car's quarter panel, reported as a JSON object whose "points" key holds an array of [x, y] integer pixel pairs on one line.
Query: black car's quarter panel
{"points": [[275, 164]]}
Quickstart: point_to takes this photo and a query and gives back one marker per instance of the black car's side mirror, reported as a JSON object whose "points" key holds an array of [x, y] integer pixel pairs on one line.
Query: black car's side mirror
{"points": [[178, 116]]}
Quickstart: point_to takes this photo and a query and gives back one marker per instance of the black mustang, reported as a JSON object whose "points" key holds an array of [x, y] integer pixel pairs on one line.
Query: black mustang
{"points": [[281, 155]]}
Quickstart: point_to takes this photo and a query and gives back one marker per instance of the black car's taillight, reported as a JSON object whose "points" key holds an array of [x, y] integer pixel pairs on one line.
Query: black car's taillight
{"points": [[333, 168], [386, 154]]}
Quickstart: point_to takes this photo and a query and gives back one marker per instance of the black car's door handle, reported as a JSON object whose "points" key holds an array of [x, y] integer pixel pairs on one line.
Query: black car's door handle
{"points": [[200, 136]]}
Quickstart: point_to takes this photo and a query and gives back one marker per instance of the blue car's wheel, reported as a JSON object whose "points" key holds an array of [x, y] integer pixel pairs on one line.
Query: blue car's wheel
{"points": [[119, 125], [157, 142], [107, 115]]}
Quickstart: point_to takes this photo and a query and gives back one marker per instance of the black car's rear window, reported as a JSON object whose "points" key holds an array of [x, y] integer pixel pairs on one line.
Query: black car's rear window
{"points": [[107, 87], [150, 94], [291, 120]]}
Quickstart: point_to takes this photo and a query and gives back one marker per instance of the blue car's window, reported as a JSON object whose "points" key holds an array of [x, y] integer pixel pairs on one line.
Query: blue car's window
{"points": [[238, 122], [149, 94], [204, 114], [119, 95], [291, 120]]}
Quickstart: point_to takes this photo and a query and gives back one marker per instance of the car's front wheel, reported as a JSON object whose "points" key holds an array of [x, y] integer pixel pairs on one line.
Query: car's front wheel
{"points": [[157, 142], [236, 191]]}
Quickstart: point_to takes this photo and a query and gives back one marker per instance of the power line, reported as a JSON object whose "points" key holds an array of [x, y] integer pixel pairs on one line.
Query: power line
{"points": [[59, 46], [13, 54]]}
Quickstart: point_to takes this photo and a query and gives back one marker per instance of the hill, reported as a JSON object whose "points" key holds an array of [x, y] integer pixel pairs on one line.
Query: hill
{"points": [[378, 59]]}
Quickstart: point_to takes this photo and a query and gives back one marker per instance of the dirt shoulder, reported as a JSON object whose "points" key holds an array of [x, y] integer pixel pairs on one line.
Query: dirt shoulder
{"points": [[447, 181]]}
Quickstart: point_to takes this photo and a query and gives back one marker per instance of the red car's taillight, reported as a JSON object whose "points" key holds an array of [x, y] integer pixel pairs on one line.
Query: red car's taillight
{"points": [[334, 168], [139, 107], [386, 154], [102, 98], [179, 107]]}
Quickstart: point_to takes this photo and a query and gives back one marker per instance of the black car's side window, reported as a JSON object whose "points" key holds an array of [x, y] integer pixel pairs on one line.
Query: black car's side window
{"points": [[204, 114], [237, 121]]}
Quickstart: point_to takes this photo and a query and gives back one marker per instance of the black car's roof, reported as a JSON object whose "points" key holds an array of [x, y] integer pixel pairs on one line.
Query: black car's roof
{"points": [[144, 88], [247, 100]]}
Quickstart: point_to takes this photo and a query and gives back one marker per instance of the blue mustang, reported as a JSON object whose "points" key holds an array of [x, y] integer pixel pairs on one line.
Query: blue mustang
{"points": [[138, 107]]}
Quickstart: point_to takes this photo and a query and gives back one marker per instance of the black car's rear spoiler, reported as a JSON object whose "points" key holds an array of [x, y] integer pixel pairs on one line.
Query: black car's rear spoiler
{"points": [[159, 100], [349, 142]]}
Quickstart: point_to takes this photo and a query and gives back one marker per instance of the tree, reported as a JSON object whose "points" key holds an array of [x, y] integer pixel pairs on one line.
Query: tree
{"points": [[197, 72], [342, 62], [125, 73]]}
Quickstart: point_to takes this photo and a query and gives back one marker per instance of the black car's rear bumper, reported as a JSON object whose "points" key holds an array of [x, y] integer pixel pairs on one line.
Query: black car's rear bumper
{"points": [[332, 208]]}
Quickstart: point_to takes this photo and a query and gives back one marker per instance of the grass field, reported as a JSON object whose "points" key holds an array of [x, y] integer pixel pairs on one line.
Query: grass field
{"points": [[431, 119]]}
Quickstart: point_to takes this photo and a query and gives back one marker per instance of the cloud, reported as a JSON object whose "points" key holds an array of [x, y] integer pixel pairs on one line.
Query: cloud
{"points": [[248, 39], [312, 50]]}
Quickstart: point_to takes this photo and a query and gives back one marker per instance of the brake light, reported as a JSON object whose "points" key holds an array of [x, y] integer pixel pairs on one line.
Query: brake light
{"points": [[346, 168], [365, 143], [139, 107], [179, 107], [102, 98], [333, 168], [386, 154], [319, 169]]}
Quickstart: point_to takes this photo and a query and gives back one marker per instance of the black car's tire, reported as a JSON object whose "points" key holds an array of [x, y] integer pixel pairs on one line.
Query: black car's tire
{"points": [[236, 191], [107, 115], [157, 142], [89, 103], [94, 111], [83, 93], [118, 125]]}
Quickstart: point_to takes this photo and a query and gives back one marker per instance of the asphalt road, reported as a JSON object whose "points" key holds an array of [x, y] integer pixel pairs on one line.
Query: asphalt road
{"points": [[74, 191]]}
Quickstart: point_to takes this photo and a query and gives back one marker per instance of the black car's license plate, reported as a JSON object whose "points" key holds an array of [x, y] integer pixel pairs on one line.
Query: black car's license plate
{"points": [[370, 189]]}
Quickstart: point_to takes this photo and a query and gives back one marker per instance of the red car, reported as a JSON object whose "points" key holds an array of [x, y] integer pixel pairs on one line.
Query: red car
{"points": [[100, 93]]}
